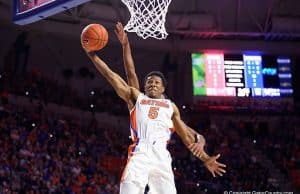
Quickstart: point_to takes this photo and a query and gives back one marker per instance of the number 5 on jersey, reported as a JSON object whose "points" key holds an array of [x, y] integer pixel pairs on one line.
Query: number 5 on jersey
{"points": [[153, 112]]}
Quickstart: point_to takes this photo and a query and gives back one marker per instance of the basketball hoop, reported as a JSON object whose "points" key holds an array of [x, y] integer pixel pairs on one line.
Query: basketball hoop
{"points": [[147, 17]]}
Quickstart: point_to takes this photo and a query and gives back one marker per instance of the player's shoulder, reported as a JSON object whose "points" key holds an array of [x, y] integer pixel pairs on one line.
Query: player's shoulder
{"points": [[175, 108], [135, 92], [132, 99]]}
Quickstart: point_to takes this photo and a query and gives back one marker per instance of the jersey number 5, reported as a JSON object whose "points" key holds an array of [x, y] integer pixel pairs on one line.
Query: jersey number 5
{"points": [[153, 112]]}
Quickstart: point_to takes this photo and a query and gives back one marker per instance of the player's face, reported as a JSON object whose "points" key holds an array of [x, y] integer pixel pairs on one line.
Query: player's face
{"points": [[154, 86]]}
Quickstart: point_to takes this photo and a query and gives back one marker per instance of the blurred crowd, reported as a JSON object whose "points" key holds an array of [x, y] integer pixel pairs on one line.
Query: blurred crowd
{"points": [[35, 85], [43, 153], [282, 146], [244, 105], [244, 172]]}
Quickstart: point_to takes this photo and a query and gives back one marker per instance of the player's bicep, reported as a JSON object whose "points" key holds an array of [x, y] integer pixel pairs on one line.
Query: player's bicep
{"points": [[120, 86], [177, 122], [181, 128]]}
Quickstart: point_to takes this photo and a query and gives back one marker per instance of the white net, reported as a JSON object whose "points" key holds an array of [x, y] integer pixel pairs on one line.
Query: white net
{"points": [[147, 17]]}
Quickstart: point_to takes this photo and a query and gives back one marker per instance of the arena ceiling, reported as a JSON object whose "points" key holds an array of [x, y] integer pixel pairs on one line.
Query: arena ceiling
{"points": [[189, 20], [226, 19]]}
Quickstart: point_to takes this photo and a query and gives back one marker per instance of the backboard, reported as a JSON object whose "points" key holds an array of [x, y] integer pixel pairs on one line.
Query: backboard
{"points": [[29, 11]]}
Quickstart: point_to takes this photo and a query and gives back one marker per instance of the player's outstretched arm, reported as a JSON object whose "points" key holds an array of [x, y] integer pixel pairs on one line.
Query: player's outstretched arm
{"points": [[127, 56], [190, 141], [126, 92]]}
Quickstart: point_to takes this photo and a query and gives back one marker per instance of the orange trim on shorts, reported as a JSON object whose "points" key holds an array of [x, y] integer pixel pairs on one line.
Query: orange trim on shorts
{"points": [[130, 151], [135, 140], [133, 124], [133, 118], [172, 129]]}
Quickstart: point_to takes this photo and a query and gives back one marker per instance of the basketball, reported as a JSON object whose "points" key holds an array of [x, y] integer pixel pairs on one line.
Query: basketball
{"points": [[94, 37]]}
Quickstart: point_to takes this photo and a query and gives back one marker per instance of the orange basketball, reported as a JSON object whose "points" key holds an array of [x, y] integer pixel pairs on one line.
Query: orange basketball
{"points": [[94, 37]]}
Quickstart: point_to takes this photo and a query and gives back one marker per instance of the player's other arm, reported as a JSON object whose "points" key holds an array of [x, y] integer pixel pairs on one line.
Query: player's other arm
{"points": [[197, 147], [120, 86], [181, 129], [127, 56], [188, 139]]}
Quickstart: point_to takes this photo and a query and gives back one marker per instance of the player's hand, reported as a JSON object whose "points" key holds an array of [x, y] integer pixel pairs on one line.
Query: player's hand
{"points": [[214, 167], [88, 52], [121, 34], [84, 48]]}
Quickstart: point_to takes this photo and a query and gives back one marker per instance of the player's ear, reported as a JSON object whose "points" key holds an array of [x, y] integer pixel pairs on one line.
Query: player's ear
{"points": [[163, 89]]}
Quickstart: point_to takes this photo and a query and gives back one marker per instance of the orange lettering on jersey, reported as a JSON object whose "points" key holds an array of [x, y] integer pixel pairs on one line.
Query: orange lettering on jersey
{"points": [[154, 103]]}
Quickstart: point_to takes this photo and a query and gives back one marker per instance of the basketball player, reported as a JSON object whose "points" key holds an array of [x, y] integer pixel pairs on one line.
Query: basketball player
{"points": [[133, 79], [130, 68], [151, 120]]}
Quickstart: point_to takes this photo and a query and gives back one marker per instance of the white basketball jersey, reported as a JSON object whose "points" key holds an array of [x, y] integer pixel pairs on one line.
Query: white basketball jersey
{"points": [[151, 120]]}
